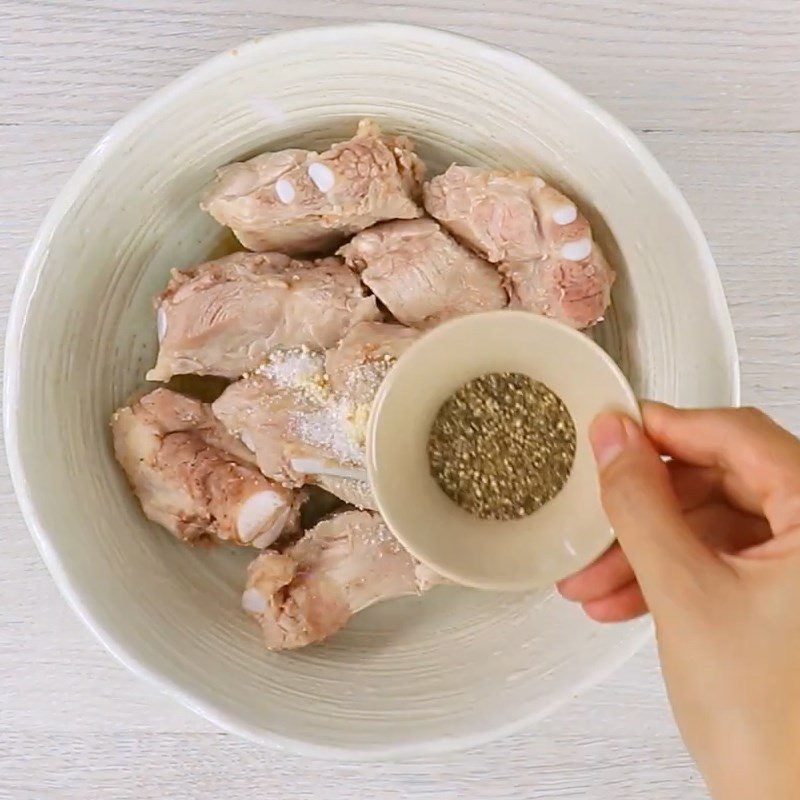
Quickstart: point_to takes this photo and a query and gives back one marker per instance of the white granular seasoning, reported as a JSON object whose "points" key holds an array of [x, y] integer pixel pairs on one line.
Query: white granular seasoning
{"points": [[377, 536], [363, 382], [293, 368], [334, 423], [330, 428]]}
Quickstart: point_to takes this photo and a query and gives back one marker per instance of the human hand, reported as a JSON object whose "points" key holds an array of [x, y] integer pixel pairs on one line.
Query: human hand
{"points": [[710, 544]]}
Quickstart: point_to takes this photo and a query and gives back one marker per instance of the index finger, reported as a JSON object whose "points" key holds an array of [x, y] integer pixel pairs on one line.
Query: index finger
{"points": [[760, 461]]}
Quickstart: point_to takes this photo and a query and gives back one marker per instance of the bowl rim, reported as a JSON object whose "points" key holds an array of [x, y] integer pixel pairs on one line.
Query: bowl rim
{"points": [[30, 274]]}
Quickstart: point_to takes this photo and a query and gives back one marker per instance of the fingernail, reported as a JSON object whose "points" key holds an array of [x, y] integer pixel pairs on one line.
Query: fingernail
{"points": [[609, 434]]}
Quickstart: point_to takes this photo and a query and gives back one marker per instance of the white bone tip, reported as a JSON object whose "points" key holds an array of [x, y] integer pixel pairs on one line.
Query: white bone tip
{"points": [[318, 466], [257, 513], [284, 190], [577, 250], [253, 601], [161, 323], [566, 214], [321, 176]]}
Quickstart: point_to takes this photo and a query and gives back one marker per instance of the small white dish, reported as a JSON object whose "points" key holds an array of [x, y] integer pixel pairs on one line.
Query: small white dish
{"points": [[560, 538]]}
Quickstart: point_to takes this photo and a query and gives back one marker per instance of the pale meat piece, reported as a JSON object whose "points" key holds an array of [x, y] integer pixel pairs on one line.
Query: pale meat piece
{"points": [[423, 275], [193, 478], [504, 216], [285, 413], [538, 236], [304, 413], [341, 566], [223, 317], [298, 201], [355, 369], [357, 366], [575, 293]]}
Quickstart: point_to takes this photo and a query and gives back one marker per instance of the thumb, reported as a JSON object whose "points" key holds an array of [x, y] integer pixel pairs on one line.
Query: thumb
{"points": [[644, 510]]}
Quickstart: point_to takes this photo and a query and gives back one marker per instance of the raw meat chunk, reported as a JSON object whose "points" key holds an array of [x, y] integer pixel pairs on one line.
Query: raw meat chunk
{"points": [[504, 216], [357, 366], [304, 413], [421, 274], [341, 566], [542, 242], [194, 478], [299, 201], [223, 317], [285, 413], [573, 292]]}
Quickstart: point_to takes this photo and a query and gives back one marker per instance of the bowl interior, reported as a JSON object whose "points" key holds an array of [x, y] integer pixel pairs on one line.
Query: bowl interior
{"points": [[413, 675]]}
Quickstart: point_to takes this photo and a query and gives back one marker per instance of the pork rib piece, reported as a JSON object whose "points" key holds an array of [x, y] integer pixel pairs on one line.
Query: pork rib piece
{"points": [[341, 566], [299, 201], [355, 369], [577, 293], [357, 366], [193, 477], [283, 411], [421, 274], [304, 413], [542, 242], [223, 317]]}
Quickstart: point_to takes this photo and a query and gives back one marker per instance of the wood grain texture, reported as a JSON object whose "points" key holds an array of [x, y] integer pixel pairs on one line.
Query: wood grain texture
{"points": [[658, 64], [713, 87]]}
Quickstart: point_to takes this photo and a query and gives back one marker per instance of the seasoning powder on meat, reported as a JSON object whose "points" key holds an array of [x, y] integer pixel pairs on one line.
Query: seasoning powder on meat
{"points": [[502, 446]]}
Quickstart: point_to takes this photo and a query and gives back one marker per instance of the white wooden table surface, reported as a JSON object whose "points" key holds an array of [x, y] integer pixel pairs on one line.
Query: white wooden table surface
{"points": [[713, 87]]}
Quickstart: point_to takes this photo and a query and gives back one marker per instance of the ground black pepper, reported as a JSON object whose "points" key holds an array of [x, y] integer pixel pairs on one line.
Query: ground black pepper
{"points": [[502, 446]]}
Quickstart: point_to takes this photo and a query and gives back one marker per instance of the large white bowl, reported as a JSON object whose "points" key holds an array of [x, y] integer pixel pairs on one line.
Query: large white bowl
{"points": [[460, 666]]}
